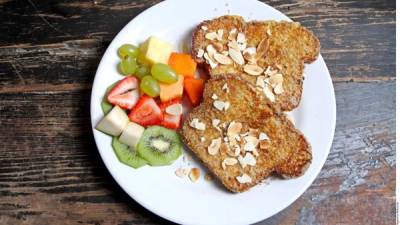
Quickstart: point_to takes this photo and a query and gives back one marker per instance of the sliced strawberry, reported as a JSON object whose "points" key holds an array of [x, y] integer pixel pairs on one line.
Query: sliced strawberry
{"points": [[146, 112], [125, 93], [171, 121]]}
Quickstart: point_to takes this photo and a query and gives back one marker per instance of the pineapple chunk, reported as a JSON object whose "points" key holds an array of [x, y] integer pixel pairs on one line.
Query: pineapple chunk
{"points": [[156, 50]]}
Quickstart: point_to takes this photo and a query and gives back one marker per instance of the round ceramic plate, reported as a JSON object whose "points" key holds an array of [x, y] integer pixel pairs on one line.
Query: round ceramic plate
{"points": [[205, 202]]}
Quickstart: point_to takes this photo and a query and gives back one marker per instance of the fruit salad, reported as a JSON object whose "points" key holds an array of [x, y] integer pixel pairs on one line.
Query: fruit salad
{"points": [[143, 110]]}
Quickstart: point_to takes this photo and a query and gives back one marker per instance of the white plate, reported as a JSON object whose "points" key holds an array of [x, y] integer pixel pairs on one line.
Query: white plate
{"points": [[179, 200]]}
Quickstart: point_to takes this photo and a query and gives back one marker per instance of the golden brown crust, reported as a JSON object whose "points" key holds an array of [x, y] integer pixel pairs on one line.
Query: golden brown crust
{"points": [[253, 111], [290, 46]]}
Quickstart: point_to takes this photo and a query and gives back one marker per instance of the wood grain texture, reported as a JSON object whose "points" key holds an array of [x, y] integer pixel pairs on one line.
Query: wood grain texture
{"points": [[50, 170]]}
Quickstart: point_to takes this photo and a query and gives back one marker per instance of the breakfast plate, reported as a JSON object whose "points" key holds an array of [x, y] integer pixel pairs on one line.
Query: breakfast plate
{"points": [[206, 202]]}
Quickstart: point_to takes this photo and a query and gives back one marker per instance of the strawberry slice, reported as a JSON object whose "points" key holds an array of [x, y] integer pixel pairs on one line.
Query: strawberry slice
{"points": [[125, 94], [171, 121], [146, 112]]}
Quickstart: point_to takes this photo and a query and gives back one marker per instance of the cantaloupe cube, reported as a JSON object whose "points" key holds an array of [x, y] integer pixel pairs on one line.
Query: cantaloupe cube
{"points": [[171, 91], [156, 50]]}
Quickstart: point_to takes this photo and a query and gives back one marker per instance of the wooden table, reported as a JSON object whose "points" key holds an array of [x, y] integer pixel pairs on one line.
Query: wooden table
{"points": [[50, 169]]}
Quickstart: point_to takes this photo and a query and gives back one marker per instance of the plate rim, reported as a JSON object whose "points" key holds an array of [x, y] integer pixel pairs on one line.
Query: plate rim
{"points": [[174, 219]]}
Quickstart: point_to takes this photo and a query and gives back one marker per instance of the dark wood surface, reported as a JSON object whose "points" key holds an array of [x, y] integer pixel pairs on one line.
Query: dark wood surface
{"points": [[51, 172]]}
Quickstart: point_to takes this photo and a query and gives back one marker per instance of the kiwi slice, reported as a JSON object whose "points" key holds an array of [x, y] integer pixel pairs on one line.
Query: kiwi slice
{"points": [[159, 146], [105, 105], [127, 155]]}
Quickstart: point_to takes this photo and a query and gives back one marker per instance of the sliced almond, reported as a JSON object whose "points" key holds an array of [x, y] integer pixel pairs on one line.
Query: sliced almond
{"points": [[227, 105], [220, 34], [210, 61], [222, 59], [215, 122], [220, 105], [260, 82], [200, 53], [251, 59], [232, 140], [278, 89], [214, 96], [241, 38], [194, 174], [262, 47], [253, 132], [211, 50], [181, 172], [226, 139], [244, 179], [250, 50], [236, 56], [228, 162], [234, 45], [252, 139], [235, 151], [264, 144], [255, 152], [263, 136], [202, 139], [253, 69], [213, 148], [195, 123], [248, 159], [276, 79], [175, 109], [225, 53], [211, 36], [232, 34], [269, 32], [249, 146], [268, 93], [204, 28], [234, 128], [218, 46], [225, 88], [290, 117]]}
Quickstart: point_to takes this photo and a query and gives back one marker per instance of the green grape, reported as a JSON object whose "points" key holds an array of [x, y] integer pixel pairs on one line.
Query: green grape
{"points": [[150, 86], [128, 50], [142, 71], [164, 73], [128, 65]]}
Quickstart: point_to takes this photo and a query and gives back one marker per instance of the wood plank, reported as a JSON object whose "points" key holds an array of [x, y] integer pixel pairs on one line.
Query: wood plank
{"points": [[51, 170], [67, 39]]}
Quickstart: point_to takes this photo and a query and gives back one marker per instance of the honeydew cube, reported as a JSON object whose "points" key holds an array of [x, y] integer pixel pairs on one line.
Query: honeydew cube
{"points": [[157, 50], [131, 135], [114, 122]]}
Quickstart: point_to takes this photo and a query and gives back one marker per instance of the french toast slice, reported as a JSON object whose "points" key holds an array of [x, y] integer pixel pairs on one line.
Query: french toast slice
{"points": [[271, 55], [238, 135]]}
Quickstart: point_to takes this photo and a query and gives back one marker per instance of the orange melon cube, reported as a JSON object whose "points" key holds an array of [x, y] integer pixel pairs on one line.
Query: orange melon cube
{"points": [[171, 91]]}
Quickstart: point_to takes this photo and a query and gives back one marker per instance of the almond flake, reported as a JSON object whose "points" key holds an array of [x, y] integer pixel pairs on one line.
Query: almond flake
{"points": [[200, 53], [263, 136], [232, 34], [175, 109], [222, 59], [211, 36], [243, 179], [213, 148], [225, 53], [269, 32], [255, 152], [236, 56], [262, 47], [195, 123], [250, 50], [252, 139], [248, 159], [249, 147], [218, 46], [225, 88], [278, 89], [220, 105], [215, 122], [220, 34], [181, 172], [227, 105], [253, 69], [234, 128], [264, 144], [251, 59], [210, 61], [211, 50], [214, 96], [202, 139], [194, 174], [228, 162], [204, 28], [290, 117], [234, 45], [260, 82], [268, 93], [241, 38], [276, 79]]}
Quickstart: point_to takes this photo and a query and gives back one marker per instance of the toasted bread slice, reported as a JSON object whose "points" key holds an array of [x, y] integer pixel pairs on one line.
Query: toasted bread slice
{"points": [[243, 105], [283, 47]]}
